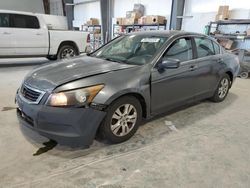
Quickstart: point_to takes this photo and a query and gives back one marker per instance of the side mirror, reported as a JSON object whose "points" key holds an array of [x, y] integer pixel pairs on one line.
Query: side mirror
{"points": [[169, 64]]}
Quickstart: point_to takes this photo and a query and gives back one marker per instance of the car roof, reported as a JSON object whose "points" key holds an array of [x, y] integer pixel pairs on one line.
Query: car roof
{"points": [[166, 33], [16, 12]]}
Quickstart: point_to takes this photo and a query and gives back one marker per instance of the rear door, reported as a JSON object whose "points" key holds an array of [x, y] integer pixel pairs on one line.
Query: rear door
{"points": [[208, 59], [6, 36], [173, 87], [30, 39]]}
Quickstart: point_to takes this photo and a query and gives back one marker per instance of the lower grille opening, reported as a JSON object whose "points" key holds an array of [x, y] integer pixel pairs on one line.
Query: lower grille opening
{"points": [[26, 118]]}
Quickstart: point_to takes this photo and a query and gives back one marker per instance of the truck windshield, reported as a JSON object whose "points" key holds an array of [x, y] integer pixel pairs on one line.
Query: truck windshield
{"points": [[132, 49]]}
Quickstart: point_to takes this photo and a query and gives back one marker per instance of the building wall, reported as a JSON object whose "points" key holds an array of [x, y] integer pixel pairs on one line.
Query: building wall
{"points": [[204, 11], [85, 11], [56, 7], [23, 5], [156, 7]]}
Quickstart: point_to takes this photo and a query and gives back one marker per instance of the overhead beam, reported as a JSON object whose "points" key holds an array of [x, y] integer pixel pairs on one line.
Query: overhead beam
{"points": [[177, 11], [107, 12], [69, 12]]}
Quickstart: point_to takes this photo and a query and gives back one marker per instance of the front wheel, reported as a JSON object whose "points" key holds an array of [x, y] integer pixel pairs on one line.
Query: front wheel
{"points": [[66, 52], [222, 89], [122, 120]]}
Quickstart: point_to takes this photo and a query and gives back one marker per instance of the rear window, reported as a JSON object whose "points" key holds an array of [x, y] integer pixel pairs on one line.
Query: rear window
{"points": [[4, 20], [24, 21], [204, 47]]}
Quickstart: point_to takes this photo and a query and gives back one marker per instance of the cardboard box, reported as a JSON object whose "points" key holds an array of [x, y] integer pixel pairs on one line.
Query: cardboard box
{"points": [[221, 17], [155, 19], [223, 10], [142, 20], [139, 8], [223, 13], [128, 14], [136, 15], [132, 14], [93, 21], [120, 21], [130, 21], [226, 43]]}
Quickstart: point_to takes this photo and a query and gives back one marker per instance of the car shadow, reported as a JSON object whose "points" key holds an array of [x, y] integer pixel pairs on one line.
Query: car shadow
{"points": [[149, 132]]}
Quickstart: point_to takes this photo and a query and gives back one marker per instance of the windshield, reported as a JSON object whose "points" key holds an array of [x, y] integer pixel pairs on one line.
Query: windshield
{"points": [[132, 49]]}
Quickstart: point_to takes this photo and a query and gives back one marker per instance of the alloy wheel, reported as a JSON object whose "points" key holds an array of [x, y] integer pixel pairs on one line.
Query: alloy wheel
{"points": [[123, 120], [68, 53], [223, 89]]}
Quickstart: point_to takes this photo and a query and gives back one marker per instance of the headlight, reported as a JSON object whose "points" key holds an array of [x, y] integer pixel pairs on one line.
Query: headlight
{"points": [[78, 97]]}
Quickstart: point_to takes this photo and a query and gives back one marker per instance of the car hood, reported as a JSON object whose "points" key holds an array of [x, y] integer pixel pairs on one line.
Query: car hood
{"points": [[55, 74]]}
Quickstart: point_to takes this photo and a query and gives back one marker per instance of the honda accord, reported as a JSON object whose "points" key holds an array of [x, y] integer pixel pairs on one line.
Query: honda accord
{"points": [[133, 77]]}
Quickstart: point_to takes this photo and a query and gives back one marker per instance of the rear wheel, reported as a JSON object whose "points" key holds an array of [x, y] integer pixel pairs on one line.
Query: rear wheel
{"points": [[66, 52], [222, 89], [122, 120], [244, 75]]}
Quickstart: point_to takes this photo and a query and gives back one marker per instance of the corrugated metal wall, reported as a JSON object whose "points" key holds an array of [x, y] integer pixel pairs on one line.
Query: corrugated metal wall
{"points": [[23, 5]]}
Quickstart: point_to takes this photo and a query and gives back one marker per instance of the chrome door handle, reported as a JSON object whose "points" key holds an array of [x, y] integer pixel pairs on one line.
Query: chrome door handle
{"points": [[39, 34], [6, 33]]}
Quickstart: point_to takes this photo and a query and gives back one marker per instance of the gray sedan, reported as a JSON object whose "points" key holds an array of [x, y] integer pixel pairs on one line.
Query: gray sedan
{"points": [[108, 92]]}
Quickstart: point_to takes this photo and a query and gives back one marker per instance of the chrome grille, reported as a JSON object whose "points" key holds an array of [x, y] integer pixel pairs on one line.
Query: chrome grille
{"points": [[30, 94]]}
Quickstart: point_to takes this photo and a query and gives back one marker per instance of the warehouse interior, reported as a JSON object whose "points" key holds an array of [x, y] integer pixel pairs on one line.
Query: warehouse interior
{"points": [[199, 144]]}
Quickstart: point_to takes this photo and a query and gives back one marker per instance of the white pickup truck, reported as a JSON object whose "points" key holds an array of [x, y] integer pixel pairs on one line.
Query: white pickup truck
{"points": [[25, 34]]}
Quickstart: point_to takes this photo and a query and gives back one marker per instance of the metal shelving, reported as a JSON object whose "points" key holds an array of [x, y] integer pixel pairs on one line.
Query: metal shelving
{"points": [[95, 36], [235, 30], [137, 27]]}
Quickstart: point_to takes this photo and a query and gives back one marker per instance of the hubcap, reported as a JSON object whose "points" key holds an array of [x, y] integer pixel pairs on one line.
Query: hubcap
{"points": [[68, 53], [223, 89], [123, 120]]}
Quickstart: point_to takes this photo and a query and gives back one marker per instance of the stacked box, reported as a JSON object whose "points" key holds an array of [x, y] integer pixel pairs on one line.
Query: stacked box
{"points": [[139, 8], [155, 19], [223, 13], [93, 21]]}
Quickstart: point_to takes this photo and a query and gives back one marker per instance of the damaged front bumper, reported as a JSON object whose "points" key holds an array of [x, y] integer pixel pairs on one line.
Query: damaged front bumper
{"points": [[70, 126]]}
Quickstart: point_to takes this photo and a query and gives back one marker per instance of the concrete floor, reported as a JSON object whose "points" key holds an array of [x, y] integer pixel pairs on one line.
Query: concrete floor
{"points": [[206, 145]]}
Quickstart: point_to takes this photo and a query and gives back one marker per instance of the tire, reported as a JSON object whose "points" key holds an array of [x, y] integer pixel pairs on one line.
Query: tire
{"points": [[117, 128], [66, 52], [222, 89], [244, 75]]}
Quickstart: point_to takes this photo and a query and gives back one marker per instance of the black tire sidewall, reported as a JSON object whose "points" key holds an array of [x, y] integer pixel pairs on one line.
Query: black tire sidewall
{"points": [[106, 128]]}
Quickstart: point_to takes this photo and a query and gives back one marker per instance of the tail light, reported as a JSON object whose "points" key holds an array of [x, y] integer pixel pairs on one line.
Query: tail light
{"points": [[88, 38]]}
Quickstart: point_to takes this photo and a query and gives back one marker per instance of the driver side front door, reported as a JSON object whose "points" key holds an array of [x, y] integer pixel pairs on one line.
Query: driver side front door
{"points": [[173, 87]]}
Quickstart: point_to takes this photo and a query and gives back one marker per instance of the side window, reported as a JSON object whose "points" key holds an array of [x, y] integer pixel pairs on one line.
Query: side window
{"points": [[180, 49], [216, 48], [204, 47], [4, 20], [24, 21]]}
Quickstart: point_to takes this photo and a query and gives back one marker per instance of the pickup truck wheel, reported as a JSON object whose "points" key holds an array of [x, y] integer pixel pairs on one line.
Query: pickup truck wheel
{"points": [[66, 52], [122, 120]]}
